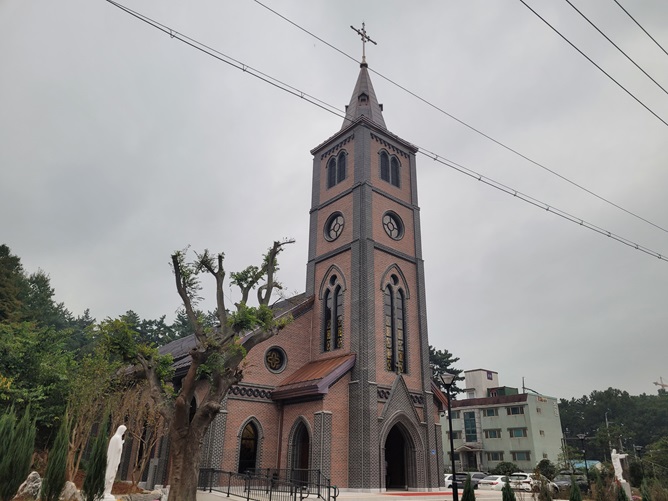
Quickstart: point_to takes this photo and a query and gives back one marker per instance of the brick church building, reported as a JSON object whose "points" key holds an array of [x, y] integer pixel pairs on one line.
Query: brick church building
{"points": [[346, 388]]}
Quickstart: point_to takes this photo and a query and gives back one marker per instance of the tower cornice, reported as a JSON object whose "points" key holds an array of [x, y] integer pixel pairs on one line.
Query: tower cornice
{"points": [[364, 122]]}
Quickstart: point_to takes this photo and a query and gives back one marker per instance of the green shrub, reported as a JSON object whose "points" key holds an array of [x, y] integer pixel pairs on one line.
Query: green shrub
{"points": [[19, 440], [54, 476], [468, 494], [93, 486]]}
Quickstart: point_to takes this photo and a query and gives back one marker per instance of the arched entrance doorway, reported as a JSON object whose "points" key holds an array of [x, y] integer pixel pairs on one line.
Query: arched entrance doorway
{"points": [[248, 448], [301, 447], [396, 458]]}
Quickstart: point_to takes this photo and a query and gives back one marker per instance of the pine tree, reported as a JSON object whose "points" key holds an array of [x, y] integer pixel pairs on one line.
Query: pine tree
{"points": [[54, 477], [575, 494], [507, 492], [93, 486], [468, 494], [20, 443]]}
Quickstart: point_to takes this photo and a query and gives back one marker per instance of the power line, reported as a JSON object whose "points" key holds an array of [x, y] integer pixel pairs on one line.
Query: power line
{"points": [[331, 109], [597, 66], [640, 26], [470, 127], [616, 46]]}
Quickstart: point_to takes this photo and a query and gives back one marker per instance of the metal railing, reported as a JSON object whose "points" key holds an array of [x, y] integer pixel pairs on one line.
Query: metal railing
{"points": [[269, 484]]}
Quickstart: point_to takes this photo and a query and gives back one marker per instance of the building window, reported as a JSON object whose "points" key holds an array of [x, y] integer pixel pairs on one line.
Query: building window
{"points": [[454, 456], [490, 412], [470, 427], [495, 456], [336, 169], [521, 455], [517, 432], [393, 225], [390, 169], [333, 315], [456, 435], [539, 410], [275, 359], [334, 226], [248, 448], [394, 309], [456, 414], [493, 393], [544, 455], [542, 433], [493, 433], [512, 411]]}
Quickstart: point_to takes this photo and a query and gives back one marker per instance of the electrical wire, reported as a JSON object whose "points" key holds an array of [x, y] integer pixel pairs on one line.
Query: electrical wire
{"points": [[597, 66], [331, 109], [616, 46], [470, 127], [640, 26]]}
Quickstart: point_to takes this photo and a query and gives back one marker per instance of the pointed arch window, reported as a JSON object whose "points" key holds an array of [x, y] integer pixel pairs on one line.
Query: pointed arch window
{"points": [[337, 169], [394, 312], [333, 315], [248, 448], [390, 169]]}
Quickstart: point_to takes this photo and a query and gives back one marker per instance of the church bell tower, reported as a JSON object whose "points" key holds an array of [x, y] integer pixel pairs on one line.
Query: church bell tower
{"points": [[366, 273]]}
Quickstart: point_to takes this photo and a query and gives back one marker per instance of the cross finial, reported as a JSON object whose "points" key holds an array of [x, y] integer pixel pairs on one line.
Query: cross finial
{"points": [[365, 39]]}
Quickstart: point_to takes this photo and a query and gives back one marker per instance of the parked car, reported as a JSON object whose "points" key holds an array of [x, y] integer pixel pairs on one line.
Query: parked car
{"points": [[476, 477], [492, 483], [530, 482], [564, 482]]}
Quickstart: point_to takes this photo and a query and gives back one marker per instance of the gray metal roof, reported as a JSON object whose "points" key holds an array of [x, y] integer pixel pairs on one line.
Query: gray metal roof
{"points": [[363, 102]]}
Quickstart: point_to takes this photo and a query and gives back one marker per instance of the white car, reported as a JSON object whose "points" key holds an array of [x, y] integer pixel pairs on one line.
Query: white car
{"points": [[529, 482], [492, 483]]}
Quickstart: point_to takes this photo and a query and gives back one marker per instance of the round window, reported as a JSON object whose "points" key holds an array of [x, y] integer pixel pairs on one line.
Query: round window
{"points": [[334, 226], [275, 359], [393, 226]]}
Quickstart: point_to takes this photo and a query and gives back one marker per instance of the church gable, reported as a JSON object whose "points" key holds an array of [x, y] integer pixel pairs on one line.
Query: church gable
{"points": [[400, 400]]}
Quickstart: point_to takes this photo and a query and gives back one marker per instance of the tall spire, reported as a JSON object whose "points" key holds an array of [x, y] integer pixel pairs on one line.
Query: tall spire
{"points": [[363, 102]]}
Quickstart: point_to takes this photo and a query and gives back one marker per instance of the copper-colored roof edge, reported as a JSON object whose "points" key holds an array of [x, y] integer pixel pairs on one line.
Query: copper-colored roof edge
{"points": [[319, 386]]}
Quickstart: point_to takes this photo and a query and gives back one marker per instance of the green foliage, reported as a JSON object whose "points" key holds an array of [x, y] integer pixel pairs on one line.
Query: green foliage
{"points": [[56, 467], [643, 419], [18, 441], [644, 491], [442, 361], [93, 485], [505, 468], [544, 489], [546, 468], [468, 494], [574, 494], [507, 493]]}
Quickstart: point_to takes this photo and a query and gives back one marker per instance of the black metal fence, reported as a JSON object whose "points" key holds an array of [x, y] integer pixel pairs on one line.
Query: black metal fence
{"points": [[269, 484]]}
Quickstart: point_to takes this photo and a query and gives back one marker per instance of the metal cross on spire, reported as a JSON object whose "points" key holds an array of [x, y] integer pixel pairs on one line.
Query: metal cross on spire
{"points": [[365, 39]]}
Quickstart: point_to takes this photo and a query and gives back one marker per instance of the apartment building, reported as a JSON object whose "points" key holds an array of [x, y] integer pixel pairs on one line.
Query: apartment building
{"points": [[494, 423]]}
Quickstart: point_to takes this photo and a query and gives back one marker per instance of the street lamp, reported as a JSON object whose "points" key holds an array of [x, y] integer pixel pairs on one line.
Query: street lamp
{"points": [[447, 379], [582, 438]]}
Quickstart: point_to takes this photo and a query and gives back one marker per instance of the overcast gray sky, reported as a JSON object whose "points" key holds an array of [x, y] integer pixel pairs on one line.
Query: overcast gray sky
{"points": [[119, 145]]}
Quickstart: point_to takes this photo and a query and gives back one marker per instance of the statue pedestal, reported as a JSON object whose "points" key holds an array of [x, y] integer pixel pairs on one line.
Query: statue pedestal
{"points": [[627, 488], [111, 497]]}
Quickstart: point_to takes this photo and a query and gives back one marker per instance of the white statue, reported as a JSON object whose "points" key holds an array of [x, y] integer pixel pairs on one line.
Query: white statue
{"points": [[617, 464], [113, 460]]}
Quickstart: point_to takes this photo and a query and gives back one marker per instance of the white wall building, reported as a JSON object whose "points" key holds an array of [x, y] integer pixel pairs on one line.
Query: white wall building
{"points": [[495, 423]]}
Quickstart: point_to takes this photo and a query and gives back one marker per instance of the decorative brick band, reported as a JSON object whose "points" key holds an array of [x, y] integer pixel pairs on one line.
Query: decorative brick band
{"points": [[250, 392], [389, 146], [337, 147]]}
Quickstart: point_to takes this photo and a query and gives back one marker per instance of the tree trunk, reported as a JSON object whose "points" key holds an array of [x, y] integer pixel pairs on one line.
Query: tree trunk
{"points": [[184, 463]]}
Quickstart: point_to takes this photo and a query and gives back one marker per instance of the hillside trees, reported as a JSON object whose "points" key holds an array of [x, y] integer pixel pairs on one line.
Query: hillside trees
{"points": [[216, 355]]}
